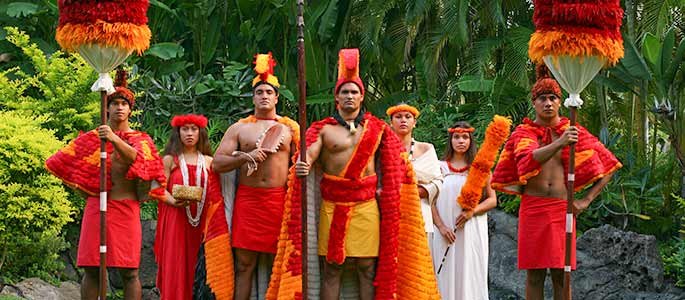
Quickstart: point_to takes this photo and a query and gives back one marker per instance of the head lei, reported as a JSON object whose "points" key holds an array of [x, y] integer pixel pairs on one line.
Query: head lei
{"points": [[461, 130], [402, 107], [348, 69], [545, 83], [182, 120], [121, 90], [264, 67]]}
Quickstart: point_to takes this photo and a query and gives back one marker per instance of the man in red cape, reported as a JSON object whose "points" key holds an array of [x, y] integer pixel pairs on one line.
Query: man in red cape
{"points": [[357, 227], [132, 163], [534, 165]]}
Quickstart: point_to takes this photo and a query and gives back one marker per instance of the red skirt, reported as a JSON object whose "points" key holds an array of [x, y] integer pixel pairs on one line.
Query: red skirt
{"points": [[542, 233], [176, 246], [257, 216], [123, 234]]}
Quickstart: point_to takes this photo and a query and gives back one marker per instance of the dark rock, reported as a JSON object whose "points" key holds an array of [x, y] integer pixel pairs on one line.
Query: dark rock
{"points": [[148, 265], [150, 294], [615, 263], [34, 288], [612, 264], [69, 290]]}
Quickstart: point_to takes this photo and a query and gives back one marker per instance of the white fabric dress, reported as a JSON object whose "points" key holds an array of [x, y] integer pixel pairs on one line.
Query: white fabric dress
{"points": [[464, 275]]}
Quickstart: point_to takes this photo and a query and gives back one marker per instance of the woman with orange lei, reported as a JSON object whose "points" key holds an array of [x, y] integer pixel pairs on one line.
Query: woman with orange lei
{"points": [[463, 270], [191, 187]]}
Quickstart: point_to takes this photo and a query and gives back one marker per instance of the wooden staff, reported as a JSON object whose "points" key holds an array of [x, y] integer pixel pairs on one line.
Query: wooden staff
{"points": [[103, 199], [302, 120], [444, 256], [569, 208]]}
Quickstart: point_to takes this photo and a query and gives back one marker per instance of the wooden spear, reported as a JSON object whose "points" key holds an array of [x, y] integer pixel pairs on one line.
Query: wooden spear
{"points": [[302, 120]]}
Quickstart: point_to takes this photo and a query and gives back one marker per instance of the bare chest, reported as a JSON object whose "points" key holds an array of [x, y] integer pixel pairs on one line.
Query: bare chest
{"points": [[338, 139], [251, 133]]}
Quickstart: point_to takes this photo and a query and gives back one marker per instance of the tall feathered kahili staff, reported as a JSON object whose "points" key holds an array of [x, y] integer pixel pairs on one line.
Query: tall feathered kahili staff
{"points": [[104, 33], [575, 39]]}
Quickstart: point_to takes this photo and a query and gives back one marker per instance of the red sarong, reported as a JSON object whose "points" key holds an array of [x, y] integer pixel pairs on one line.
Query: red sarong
{"points": [[177, 242], [123, 234], [542, 233], [257, 216]]}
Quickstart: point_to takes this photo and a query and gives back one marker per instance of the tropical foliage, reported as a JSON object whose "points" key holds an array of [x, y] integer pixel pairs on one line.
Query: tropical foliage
{"points": [[457, 60]]}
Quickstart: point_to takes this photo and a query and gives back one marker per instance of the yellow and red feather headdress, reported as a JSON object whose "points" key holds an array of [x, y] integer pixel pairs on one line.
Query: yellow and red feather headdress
{"points": [[264, 67], [348, 69]]}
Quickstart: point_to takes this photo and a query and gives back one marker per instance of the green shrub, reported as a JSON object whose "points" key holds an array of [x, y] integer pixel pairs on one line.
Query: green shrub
{"points": [[33, 204], [58, 87]]}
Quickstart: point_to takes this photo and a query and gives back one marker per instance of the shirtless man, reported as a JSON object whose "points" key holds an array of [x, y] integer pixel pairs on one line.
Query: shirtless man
{"points": [[134, 159], [534, 165], [345, 148], [262, 179]]}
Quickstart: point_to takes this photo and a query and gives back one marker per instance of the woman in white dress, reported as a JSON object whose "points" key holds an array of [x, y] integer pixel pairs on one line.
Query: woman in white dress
{"points": [[463, 273], [423, 158]]}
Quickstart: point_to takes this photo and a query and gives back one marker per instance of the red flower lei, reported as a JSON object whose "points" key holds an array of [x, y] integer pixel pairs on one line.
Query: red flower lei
{"points": [[457, 170]]}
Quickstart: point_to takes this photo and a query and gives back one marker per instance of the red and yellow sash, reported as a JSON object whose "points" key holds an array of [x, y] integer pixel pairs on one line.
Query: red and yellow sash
{"points": [[350, 189], [286, 278]]}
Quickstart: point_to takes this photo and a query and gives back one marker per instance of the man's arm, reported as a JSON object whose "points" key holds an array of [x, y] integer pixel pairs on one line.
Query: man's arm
{"points": [[313, 152], [225, 161], [591, 194], [126, 152], [543, 154]]}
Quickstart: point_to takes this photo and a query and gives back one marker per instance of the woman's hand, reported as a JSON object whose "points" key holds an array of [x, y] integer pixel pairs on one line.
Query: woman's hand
{"points": [[447, 234], [463, 218], [176, 202]]}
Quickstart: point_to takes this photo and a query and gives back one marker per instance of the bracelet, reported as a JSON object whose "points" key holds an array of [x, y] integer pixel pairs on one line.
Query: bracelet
{"points": [[251, 165]]}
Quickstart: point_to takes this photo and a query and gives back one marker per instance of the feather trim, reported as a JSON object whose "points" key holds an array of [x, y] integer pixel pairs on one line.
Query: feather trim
{"points": [[128, 36], [89, 12], [574, 44], [416, 277], [495, 135], [402, 107]]}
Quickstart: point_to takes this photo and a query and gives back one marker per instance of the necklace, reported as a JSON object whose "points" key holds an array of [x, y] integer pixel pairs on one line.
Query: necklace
{"points": [[457, 170], [266, 119], [411, 150], [199, 171], [350, 125]]}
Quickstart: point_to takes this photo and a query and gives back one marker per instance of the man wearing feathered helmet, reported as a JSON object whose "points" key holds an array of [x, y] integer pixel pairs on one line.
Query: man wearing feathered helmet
{"points": [[134, 165], [534, 164], [354, 229], [258, 148]]}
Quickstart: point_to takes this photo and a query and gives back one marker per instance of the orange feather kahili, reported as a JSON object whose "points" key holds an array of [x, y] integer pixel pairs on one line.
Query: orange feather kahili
{"points": [[495, 135], [577, 29], [87, 22]]}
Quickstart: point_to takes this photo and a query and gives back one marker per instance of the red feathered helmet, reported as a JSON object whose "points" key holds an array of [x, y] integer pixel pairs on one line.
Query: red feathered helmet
{"points": [[182, 120], [121, 90], [545, 84], [348, 69]]}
